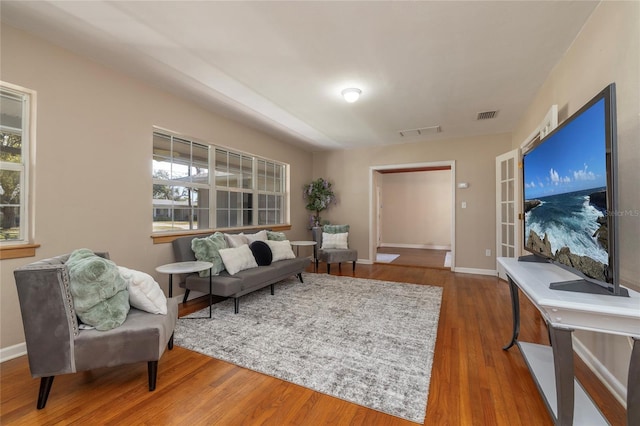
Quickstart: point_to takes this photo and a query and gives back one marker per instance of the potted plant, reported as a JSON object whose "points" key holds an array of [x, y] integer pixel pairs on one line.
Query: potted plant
{"points": [[318, 195]]}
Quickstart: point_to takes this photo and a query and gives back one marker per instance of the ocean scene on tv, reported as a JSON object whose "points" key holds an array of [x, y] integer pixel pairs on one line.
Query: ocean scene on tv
{"points": [[565, 195]]}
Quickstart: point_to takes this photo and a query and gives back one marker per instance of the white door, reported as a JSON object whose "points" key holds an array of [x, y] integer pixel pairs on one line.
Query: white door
{"points": [[507, 206]]}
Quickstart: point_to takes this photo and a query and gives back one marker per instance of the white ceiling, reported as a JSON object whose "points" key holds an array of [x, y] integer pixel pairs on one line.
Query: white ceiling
{"points": [[280, 66]]}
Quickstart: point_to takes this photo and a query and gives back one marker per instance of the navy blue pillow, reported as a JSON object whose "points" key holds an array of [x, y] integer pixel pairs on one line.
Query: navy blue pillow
{"points": [[262, 253]]}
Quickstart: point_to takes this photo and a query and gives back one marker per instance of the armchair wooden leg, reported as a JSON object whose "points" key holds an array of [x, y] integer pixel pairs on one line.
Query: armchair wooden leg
{"points": [[339, 267], [236, 304], [170, 345], [152, 369], [45, 388], [328, 268], [354, 266]]}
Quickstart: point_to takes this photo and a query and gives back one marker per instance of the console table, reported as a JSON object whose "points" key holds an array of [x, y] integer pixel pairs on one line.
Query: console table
{"points": [[564, 312]]}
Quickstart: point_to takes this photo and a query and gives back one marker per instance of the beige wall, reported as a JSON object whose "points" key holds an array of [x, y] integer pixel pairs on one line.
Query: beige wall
{"points": [[350, 172], [93, 160], [607, 50], [416, 209]]}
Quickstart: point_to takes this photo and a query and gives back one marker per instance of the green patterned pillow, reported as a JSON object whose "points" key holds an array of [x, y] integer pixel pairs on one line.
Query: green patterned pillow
{"points": [[206, 250], [100, 294], [276, 236], [335, 229]]}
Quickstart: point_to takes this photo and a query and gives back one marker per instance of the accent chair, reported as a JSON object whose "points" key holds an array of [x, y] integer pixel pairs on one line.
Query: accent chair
{"points": [[332, 246], [56, 344]]}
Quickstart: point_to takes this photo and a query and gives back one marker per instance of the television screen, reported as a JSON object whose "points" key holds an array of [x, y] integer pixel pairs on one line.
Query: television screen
{"points": [[569, 189]]}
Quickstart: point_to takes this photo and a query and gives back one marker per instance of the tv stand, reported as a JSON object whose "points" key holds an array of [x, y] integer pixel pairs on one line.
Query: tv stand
{"points": [[564, 312]]}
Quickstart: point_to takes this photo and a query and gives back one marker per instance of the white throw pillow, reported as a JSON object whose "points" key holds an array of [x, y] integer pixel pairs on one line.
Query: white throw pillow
{"points": [[258, 236], [237, 259], [144, 292], [235, 240], [335, 241], [281, 250]]}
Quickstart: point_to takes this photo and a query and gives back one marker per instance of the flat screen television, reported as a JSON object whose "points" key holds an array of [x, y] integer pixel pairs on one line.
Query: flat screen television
{"points": [[570, 198]]}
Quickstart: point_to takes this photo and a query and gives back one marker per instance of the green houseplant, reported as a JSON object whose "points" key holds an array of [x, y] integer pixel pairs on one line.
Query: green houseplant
{"points": [[318, 195]]}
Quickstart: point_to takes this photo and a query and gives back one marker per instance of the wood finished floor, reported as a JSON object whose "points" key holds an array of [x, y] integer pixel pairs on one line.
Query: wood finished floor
{"points": [[425, 258], [473, 381]]}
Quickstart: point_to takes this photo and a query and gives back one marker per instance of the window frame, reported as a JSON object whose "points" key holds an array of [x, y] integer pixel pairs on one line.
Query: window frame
{"points": [[23, 246], [239, 188]]}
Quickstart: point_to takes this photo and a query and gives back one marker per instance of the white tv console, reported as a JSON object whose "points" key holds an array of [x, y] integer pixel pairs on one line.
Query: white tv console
{"points": [[564, 312]]}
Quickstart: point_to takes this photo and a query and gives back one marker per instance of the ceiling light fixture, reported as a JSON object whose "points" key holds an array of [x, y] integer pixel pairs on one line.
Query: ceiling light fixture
{"points": [[351, 94]]}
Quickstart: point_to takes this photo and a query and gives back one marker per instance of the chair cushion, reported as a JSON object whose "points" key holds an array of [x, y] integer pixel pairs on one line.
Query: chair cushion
{"points": [[335, 241], [207, 250], [100, 294], [144, 292], [335, 229]]}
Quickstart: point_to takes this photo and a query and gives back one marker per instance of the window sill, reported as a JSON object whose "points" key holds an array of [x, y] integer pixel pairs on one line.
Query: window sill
{"points": [[163, 238], [18, 251]]}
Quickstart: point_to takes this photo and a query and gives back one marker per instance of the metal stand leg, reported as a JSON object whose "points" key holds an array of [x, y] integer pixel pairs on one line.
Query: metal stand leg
{"points": [[210, 290], [170, 285], [563, 364], [515, 309]]}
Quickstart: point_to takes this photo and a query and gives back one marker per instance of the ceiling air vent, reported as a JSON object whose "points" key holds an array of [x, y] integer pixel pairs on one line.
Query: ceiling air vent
{"points": [[421, 131], [487, 115]]}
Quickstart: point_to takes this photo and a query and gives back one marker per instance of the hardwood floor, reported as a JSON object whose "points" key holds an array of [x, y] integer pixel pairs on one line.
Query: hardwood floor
{"points": [[425, 258], [473, 381]]}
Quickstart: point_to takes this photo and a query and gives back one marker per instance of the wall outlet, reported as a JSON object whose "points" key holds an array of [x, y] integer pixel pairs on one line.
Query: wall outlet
{"points": [[487, 252]]}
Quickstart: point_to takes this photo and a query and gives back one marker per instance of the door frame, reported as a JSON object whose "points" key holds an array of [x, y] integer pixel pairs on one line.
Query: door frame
{"points": [[373, 201]]}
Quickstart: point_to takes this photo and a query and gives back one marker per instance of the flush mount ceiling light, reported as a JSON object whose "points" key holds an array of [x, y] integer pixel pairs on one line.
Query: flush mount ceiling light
{"points": [[351, 94]]}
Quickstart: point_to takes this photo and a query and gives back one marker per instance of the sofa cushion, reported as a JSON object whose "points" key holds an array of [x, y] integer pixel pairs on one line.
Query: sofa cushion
{"points": [[144, 292], [335, 241], [258, 236], [238, 259], [207, 250], [100, 294], [281, 250], [261, 252], [235, 240], [276, 236]]}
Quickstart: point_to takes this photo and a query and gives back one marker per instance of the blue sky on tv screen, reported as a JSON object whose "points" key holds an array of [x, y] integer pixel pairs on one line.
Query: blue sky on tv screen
{"points": [[572, 159]]}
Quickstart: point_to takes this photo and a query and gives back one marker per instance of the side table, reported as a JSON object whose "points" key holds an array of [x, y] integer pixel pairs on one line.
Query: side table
{"points": [[297, 245], [186, 268]]}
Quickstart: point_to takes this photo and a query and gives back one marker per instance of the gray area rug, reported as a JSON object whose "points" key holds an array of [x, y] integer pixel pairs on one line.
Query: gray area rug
{"points": [[365, 341]]}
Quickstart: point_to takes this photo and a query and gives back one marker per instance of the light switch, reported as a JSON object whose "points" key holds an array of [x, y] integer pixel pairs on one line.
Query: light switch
{"points": [[464, 204]]}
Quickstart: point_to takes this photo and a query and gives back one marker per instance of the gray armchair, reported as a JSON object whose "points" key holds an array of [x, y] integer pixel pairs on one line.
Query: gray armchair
{"points": [[55, 343], [332, 255]]}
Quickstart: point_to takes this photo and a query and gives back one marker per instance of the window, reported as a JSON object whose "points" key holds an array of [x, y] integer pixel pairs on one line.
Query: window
{"points": [[180, 184], [249, 191], [14, 162]]}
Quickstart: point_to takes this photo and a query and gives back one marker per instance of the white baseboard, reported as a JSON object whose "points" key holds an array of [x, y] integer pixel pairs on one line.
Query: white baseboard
{"points": [[491, 272], [12, 352], [364, 261], [416, 246], [617, 389]]}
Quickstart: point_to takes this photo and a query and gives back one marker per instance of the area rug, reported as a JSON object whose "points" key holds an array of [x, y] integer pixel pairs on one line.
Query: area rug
{"points": [[386, 257], [364, 341]]}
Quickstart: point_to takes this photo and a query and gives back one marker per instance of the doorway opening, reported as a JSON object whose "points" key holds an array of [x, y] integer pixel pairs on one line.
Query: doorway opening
{"points": [[412, 214]]}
